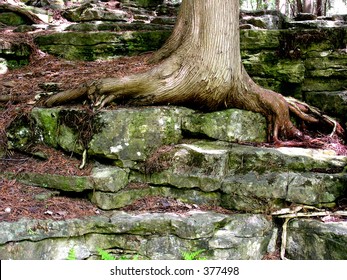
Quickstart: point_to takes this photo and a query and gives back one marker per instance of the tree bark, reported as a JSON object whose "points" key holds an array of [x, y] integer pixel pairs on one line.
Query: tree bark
{"points": [[200, 67]]}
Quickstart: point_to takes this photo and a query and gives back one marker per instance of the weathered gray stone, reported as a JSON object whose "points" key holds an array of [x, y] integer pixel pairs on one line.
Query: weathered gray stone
{"points": [[191, 166], [280, 69], [143, 3], [259, 193], [244, 159], [55, 127], [116, 26], [109, 178], [54, 181], [11, 19], [245, 237], [36, 230], [323, 84], [333, 103], [92, 12], [125, 197], [3, 66], [47, 249], [259, 39], [254, 193], [313, 24], [139, 234], [48, 121], [327, 64], [133, 134], [316, 189], [204, 183], [103, 178], [16, 54], [96, 45], [314, 240], [206, 164], [228, 125]]}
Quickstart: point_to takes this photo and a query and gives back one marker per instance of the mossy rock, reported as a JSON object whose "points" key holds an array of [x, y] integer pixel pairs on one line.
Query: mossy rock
{"points": [[11, 19], [229, 125], [94, 45]]}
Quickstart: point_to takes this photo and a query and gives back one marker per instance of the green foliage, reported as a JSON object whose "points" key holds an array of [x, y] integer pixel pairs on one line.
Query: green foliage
{"points": [[189, 256], [105, 256], [72, 255]]}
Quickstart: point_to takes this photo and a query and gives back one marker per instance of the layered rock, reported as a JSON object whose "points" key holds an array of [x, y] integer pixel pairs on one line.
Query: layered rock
{"points": [[149, 236]]}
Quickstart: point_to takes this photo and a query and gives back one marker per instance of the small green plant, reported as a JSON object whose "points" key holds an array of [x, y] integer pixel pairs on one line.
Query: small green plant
{"points": [[72, 255], [105, 256], [189, 256]]}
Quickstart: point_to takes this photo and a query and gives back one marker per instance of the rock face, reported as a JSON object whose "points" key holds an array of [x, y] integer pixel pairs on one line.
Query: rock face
{"points": [[153, 152], [132, 135], [94, 45], [92, 12], [150, 236], [13, 55], [145, 144], [315, 240]]}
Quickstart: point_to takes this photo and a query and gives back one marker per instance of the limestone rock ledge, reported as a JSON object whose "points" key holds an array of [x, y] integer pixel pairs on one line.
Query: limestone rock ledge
{"points": [[157, 149], [149, 236]]}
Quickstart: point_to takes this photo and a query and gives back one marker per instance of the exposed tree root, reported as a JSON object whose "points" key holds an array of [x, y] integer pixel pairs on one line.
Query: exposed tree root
{"points": [[200, 67], [142, 90]]}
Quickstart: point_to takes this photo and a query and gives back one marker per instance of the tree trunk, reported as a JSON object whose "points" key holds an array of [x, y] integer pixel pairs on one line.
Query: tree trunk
{"points": [[308, 6], [319, 11], [299, 6], [200, 67]]}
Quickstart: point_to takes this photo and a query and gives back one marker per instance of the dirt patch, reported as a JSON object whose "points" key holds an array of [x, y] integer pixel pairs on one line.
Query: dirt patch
{"points": [[21, 201], [51, 162]]}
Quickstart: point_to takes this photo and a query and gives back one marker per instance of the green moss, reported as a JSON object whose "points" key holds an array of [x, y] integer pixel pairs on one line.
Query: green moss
{"points": [[145, 41], [47, 120], [22, 133], [11, 19], [94, 45]]}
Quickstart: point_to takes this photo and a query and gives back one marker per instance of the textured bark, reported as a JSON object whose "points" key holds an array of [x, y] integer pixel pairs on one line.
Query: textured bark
{"points": [[200, 67]]}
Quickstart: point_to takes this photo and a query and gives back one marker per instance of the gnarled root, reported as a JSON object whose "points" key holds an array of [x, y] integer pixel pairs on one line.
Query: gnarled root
{"points": [[172, 83], [140, 90], [313, 115], [277, 109]]}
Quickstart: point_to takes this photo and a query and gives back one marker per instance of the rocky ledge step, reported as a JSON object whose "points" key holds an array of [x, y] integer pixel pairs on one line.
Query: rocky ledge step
{"points": [[149, 236], [144, 146], [248, 178], [169, 235], [207, 173]]}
